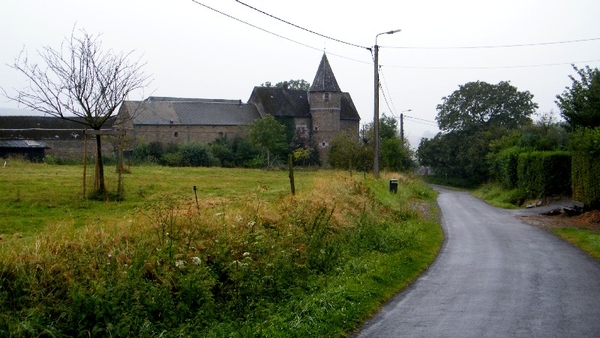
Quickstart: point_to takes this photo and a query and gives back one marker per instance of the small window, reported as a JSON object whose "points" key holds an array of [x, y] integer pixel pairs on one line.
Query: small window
{"points": [[221, 134], [176, 134], [326, 97]]}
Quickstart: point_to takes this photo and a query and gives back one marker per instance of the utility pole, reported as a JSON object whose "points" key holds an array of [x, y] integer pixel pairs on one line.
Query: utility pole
{"points": [[402, 129], [376, 104], [376, 112], [401, 123]]}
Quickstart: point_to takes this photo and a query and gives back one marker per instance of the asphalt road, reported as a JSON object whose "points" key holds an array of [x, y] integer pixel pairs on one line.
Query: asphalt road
{"points": [[495, 277]]}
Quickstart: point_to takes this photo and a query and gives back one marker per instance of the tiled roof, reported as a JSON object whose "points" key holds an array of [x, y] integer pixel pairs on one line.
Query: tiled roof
{"points": [[324, 79], [192, 112]]}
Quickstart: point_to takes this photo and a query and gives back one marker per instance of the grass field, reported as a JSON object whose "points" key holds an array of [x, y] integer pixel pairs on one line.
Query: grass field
{"points": [[243, 259]]}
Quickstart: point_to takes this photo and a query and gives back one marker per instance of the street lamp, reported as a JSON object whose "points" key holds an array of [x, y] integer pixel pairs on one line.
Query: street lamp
{"points": [[402, 125], [376, 104]]}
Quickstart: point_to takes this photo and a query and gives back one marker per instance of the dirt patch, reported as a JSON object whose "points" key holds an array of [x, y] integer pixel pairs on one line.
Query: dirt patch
{"points": [[589, 220]]}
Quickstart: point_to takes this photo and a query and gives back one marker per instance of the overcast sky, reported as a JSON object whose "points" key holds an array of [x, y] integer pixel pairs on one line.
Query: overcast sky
{"points": [[193, 51]]}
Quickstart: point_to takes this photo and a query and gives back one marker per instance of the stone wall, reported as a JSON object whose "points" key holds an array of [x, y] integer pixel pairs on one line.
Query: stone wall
{"points": [[182, 134]]}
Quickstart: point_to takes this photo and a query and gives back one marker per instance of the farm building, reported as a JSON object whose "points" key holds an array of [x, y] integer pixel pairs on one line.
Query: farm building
{"points": [[32, 150], [317, 115], [60, 138]]}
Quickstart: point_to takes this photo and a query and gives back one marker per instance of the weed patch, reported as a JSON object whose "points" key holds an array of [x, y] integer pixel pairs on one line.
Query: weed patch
{"points": [[246, 259]]}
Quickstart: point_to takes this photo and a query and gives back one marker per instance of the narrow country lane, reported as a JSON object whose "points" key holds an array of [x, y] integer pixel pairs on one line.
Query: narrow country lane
{"points": [[495, 277]]}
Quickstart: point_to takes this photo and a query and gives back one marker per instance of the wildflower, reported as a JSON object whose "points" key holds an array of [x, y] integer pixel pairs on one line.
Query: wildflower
{"points": [[196, 260], [246, 254], [179, 264]]}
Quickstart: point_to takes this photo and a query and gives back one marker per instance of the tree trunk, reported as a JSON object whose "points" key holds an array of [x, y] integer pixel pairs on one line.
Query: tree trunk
{"points": [[100, 166]]}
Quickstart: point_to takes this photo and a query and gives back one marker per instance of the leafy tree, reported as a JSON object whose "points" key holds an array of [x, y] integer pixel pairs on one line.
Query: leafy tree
{"points": [[80, 83], [268, 135], [388, 127], [470, 118], [343, 151], [291, 84], [480, 105], [580, 104], [395, 154], [347, 152]]}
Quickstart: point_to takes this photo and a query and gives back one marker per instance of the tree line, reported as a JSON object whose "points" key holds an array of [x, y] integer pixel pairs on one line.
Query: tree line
{"points": [[488, 134]]}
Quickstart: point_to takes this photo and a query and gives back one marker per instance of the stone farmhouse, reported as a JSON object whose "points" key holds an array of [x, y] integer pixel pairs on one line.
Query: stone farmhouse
{"points": [[317, 115]]}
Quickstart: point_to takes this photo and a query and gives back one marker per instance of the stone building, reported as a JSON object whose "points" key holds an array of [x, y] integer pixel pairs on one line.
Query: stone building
{"points": [[38, 136], [317, 115]]}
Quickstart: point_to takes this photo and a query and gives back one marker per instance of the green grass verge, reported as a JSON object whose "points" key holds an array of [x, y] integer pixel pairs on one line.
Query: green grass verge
{"points": [[499, 197], [586, 240]]}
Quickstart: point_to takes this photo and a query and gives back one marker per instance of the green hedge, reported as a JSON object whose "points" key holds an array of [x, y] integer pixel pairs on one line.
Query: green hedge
{"points": [[505, 167], [585, 146], [544, 173]]}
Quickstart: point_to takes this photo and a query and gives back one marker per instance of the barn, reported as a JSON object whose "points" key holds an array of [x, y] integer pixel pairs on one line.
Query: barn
{"points": [[317, 114]]}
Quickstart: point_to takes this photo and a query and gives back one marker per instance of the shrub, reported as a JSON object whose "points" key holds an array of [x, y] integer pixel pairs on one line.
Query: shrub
{"points": [[505, 167], [544, 173], [585, 146], [196, 155]]}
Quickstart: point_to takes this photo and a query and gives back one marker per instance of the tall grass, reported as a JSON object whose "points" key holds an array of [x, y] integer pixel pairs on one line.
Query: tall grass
{"points": [[248, 259]]}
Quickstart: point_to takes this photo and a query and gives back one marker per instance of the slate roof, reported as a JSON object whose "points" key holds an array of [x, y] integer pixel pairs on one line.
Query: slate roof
{"points": [[281, 102], [324, 79], [165, 111], [43, 122], [42, 128], [31, 144], [348, 110]]}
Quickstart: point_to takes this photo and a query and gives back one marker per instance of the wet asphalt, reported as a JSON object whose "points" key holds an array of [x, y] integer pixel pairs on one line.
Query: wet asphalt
{"points": [[495, 277]]}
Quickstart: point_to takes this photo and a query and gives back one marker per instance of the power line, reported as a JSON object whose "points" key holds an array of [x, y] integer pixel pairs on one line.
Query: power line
{"points": [[496, 46], [492, 67], [252, 25], [420, 120], [392, 111], [299, 27], [275, 34], [406, 67]]}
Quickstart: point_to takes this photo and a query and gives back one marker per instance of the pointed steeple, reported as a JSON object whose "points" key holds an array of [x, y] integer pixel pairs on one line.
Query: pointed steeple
{"points": [[325, 80]]}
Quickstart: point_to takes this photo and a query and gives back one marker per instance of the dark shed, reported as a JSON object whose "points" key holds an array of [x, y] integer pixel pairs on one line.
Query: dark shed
{"points": [[33, 150]]}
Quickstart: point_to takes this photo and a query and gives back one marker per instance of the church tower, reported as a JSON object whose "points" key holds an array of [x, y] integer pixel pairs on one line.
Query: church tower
{"points": [[325, 101]]}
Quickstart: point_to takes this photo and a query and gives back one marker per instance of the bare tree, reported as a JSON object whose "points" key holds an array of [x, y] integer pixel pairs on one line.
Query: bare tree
{"points": [[80, 83]]}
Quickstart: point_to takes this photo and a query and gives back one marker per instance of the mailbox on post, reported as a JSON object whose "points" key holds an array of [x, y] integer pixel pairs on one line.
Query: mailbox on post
{"points": [[394, 185]]}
